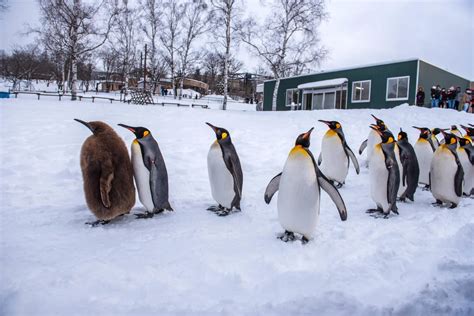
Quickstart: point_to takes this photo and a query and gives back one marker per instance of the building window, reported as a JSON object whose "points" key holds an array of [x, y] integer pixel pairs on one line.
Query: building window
{"points": [[397, 88], [292, 96], [361, 91]]}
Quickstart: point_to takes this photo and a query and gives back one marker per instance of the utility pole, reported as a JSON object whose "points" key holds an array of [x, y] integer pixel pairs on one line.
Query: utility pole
{"points": [[144, 69]]}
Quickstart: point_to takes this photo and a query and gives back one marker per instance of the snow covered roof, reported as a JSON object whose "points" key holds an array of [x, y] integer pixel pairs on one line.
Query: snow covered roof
{"points": [[323, 83]]}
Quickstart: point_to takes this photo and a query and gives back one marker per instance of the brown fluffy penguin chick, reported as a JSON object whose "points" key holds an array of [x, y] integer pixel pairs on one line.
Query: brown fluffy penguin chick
{"points": [[107, 173]]}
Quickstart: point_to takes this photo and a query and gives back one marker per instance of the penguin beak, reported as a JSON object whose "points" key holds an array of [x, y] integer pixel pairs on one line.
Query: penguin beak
{"points": [[376, 129], [418, 128], [85, 124], [131, 129], [325, 122], [375, 118], [212, 126], [308, 134]]}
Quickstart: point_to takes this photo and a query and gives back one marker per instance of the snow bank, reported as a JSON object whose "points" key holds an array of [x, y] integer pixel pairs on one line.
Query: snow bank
{"points": [[192, 262]]}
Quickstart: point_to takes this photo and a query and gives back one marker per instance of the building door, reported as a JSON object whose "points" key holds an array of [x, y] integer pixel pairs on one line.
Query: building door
{"points": [[308, 101], [329, 98], [318, 101]]}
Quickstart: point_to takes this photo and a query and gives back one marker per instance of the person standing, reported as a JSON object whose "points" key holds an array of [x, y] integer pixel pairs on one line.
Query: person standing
{"points": [[458, 101], [420, 97], [443, 98], [466, 100], [434, 97]]}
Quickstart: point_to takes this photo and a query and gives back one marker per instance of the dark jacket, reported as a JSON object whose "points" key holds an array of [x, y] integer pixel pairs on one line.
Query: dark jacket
{"points": [[420, 97]]}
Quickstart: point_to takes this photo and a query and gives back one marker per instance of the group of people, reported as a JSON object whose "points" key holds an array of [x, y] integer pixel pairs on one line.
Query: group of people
{"points": [[452, 98]]}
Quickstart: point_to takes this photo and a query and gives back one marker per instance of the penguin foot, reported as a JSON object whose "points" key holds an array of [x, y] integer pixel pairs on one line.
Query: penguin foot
{"points": [[437, 203], [339, 185], [215, 208], [158, 211], [374, 210], [97, 223], [304, 240], [287, 236], [145, 215], [426, 187], [453, 205], [223, 212]]}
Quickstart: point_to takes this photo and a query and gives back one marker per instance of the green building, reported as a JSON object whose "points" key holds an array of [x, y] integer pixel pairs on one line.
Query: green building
{"points": [[382, 85]]}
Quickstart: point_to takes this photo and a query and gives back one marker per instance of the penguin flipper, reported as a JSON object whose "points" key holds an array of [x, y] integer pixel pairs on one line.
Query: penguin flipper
{"points": [[272, 187], [232, 162], [362, 147], [105, 183], [431, 143], [351, 155], [320, 158], [393, 181], [458, 179], [333, 193]]}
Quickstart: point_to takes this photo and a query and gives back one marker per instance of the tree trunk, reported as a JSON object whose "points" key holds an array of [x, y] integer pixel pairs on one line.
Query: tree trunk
{"points": [[181, 86], [275, 94], [74, 78], [226, 60]]}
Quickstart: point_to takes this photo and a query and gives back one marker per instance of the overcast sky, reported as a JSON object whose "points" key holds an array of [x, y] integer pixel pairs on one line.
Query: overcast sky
{"points": [[357, 32]]}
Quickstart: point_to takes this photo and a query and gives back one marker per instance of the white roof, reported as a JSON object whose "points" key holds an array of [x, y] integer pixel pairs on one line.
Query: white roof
{"points": [[323, 83], [259, 88]]}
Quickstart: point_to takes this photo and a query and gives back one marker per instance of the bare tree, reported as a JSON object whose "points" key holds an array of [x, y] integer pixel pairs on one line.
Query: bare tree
{"points": [[194, 24], [20, 65], [73, 29], [123, 38], [226, 21], [169, 36], [151, 25], [287, 42]]}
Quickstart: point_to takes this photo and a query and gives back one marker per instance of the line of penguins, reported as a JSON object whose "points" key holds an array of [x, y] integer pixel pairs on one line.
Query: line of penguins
{"points": [[396, 169]]}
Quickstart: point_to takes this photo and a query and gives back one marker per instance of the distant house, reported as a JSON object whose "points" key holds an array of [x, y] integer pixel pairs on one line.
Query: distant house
{"points": [[381, 85]]}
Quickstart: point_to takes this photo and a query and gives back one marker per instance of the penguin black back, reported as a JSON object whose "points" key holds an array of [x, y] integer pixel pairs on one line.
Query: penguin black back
{"points": [[410, 172], [107, 172]]}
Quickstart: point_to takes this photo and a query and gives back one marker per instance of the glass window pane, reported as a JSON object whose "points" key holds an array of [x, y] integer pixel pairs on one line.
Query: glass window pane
{"points": [[295, 96], [365, 91], [329, 100], [288, 96], [402, 87], [392, 89], [356, 91], [318, 101]]}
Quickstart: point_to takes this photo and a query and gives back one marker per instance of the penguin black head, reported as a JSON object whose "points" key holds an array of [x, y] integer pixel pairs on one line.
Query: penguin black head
{"points": [[386, 135], [221, 133], [450, 139], [463, 141], [402, 135], [96, 127], [469, 130], [303, 139], [139, 132], [332, 124], [425, 132], [379, 122], [454, 128], [436, 131]]}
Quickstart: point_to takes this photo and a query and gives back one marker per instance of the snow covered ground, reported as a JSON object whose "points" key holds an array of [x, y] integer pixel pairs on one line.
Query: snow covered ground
{"points": [[192, 262]]}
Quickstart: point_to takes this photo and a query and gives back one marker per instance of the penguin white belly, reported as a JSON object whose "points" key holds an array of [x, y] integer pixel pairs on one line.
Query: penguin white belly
{"points": [[222, 182], [468, 171], [142, 177], [443, 169], [372, 140], [424, 154], [335, 164], [401, 187], [298, 197], [379, 179]]}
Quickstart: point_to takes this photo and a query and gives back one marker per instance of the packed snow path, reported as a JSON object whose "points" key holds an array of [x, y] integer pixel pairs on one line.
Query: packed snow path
{"points": [[191, 262]]}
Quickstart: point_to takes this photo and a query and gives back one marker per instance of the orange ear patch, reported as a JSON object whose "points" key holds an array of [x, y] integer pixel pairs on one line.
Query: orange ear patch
{"points": [[146, 133]]}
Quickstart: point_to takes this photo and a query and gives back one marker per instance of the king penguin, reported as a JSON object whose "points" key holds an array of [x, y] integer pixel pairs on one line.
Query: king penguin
{"points": [[434, 137], [372, 139], [384, 175], [150, 172], [465, 153], [469, 132], [335, 154], [446, 173], [424, 149], [107, 173], [410, 169], [454, 130], [300, 185], [225, 173]]}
